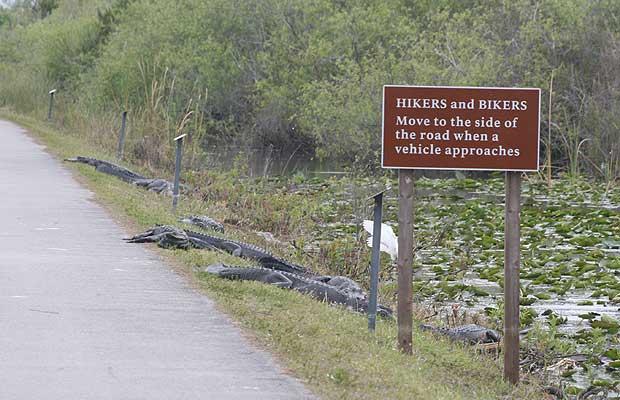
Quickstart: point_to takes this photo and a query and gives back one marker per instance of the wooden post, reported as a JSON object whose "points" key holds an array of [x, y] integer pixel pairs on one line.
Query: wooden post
{"points": [[511, 276], [548, 149], [405, 259]]}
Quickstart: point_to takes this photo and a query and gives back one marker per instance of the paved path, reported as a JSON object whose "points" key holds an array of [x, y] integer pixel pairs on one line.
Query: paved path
{"points": [[85, 316]]}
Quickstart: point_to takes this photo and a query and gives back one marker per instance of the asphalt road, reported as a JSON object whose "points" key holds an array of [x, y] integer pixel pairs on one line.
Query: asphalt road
{"points": [[85, 316]]}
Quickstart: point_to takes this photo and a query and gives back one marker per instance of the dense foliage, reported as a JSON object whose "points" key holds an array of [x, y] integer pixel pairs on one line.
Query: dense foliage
{"points": [[306, 75]]}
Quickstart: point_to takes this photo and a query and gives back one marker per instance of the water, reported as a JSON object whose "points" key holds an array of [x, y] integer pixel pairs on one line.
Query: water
{"points": [[268, 161]]}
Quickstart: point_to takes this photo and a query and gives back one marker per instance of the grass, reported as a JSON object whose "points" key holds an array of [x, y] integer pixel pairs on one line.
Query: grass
{"points": [[327, 347]]}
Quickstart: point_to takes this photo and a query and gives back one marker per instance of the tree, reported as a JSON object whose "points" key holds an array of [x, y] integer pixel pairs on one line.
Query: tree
{"points": [[43, 8]]}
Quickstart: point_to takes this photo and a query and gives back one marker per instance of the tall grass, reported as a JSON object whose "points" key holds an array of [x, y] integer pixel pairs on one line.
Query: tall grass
{"points": [[26, 93]]}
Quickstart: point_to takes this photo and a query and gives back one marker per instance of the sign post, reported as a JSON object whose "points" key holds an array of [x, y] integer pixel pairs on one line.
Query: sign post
{"points": [[512, 237], [375, 260], [121, 138], [461, 128], [404, 308], [51, 106], [177, 171]]}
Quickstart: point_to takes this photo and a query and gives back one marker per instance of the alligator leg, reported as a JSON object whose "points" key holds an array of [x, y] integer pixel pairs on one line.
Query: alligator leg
{"points": [[166, 236], [230, 247], [283, 284], [264, 276]]}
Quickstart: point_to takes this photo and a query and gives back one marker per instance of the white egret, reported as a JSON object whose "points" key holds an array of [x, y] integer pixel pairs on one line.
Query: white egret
{"points": [[389, 241]]}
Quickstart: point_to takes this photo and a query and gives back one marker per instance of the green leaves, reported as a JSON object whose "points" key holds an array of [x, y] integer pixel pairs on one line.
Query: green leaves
{"points": [[606, 323]]}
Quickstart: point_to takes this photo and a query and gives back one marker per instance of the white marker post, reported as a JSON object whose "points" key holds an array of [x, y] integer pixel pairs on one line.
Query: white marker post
{"points": [[177, 171], [375, 259], [121, 139], [49, 111]]}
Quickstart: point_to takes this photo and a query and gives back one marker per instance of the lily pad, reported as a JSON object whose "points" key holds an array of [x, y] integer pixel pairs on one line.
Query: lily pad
{"points": [[603, 383], [585, 240], [527, 301], [612, 244], [613, 264], [589, 316], [606, 323], [476, 291], [568, 373], [614, 354]]}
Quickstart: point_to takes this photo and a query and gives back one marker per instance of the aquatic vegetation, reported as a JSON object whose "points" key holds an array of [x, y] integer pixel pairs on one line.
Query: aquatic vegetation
{"points": [[570, 255]]}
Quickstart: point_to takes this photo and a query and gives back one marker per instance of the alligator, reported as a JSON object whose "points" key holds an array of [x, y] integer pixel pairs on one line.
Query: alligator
{"points": [[165, 236], [344, 284], [203, 222], [246, 250], [205, 241], [154, 185], [471, 333], [109, 168], [303, 284]]}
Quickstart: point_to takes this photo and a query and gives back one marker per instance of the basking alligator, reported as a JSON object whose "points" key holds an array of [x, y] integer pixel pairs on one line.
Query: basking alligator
{"points": [[204, 241], [165, 236], [344, 284], [246, 250], [203, 222], [303, 284], [154, 185], [472, 333], [109, 168]]}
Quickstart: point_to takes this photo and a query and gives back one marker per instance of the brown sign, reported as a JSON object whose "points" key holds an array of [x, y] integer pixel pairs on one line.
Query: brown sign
{"points": [[427, 127]]}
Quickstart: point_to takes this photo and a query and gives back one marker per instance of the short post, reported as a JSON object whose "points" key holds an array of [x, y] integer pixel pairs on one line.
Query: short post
{"points": [[374, 263], [405, 260], [511, 276], [177, 171], [49, 111], [121, 139]]}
